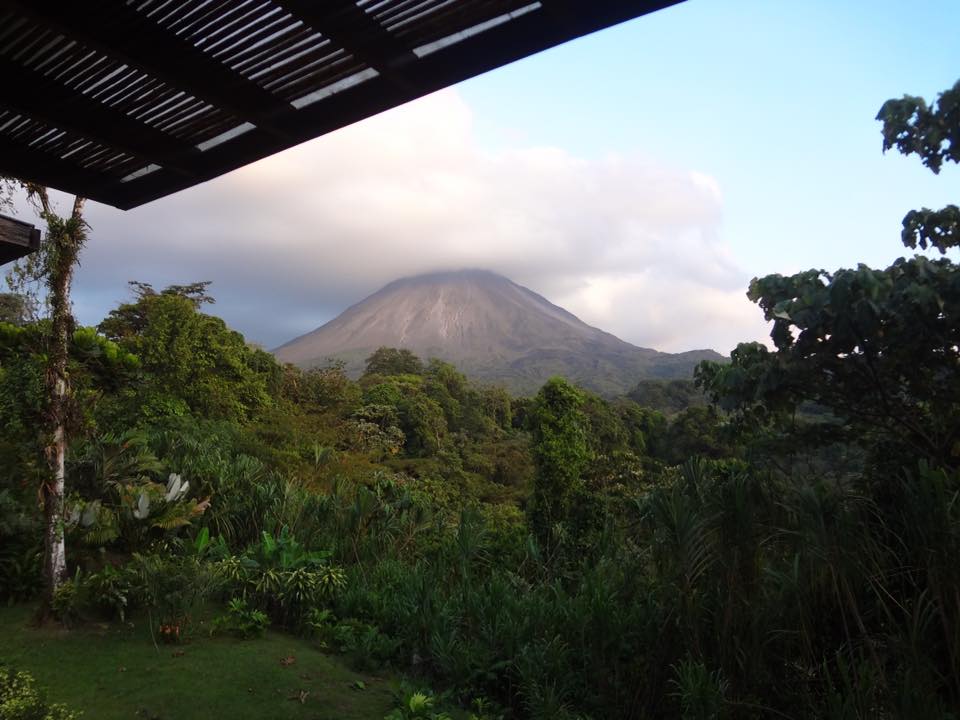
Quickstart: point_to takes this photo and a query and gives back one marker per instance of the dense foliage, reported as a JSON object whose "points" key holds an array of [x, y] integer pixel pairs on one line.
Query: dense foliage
{"points": [[20, 699], [788, 550]]}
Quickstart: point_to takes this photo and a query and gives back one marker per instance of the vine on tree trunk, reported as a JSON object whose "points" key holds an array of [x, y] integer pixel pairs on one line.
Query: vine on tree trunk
{"points": [[54, 266]]}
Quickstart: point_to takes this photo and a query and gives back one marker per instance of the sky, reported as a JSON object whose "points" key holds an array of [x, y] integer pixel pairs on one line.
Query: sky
{"points": [[638, 177]]}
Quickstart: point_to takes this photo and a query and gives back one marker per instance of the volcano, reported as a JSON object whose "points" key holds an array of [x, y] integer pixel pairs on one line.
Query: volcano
{"points": [[492, 329]]}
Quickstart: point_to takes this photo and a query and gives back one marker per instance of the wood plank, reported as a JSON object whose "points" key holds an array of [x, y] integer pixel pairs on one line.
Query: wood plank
{"points": [[506, 43], [17, 239], [32, 94], [356, 32], [122, 33], [23, 163]]}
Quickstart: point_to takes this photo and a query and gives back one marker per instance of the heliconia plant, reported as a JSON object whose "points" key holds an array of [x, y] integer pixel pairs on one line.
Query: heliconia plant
{"points": [[135, 510], [176, 488]]}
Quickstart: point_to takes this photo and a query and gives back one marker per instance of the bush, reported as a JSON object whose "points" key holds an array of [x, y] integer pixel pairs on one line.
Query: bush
{"points": [[701, 692], [20, 700], [367, 647], [114, 590], [67, 601], [174, 588], [20, 543], [281, 577], [21, 573], [240, 621], [416, 705]]}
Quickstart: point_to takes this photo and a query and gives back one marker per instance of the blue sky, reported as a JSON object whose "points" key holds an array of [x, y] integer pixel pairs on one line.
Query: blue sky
{"points": [[775, 100], [638, 177]]}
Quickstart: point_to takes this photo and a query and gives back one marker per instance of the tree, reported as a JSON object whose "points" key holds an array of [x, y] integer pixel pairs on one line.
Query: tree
{"points": [[325, 387], [423, 424], [878, 348], [497, 405], [393, 361], [192, 361], [54, 265], [667, 396], [7, 187], [14, 308], [449, 388], [131, 318], [932, 133], [560, 452], [194, 292]]}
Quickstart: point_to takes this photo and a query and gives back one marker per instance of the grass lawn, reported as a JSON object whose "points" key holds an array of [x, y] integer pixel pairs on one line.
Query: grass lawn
{"points": [[114, 671]]}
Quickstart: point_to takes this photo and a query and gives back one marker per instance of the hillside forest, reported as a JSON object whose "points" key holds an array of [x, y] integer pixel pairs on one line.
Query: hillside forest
{"points": [[777, 538]]}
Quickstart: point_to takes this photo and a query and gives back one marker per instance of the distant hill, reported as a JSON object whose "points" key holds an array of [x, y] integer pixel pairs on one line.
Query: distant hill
{"points": [[492, 329]]}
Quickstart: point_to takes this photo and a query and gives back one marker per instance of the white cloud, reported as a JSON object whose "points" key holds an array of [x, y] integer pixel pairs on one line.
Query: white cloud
{"points": [[629, 245]]}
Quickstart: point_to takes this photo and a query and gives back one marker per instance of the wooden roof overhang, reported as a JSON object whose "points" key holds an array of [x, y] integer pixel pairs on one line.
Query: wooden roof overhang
{"points": [[17, 239], [126, 101]]}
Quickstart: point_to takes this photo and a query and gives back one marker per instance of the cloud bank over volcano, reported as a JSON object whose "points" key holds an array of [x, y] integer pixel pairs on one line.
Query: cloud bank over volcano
{"points": [[625, 243]]}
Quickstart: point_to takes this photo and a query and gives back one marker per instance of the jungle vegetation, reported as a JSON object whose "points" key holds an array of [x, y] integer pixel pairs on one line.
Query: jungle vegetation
{"points": [[780, 540]]}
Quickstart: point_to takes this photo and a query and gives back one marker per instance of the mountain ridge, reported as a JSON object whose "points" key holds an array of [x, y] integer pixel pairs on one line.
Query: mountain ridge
{"points": [[489, 327]]}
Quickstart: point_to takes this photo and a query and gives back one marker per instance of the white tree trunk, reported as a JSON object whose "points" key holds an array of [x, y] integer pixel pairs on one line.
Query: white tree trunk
{"points": [[56, 548], [64, 241]]}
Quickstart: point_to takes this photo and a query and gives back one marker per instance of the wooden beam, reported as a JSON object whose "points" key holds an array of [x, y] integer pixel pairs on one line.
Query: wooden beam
{"points": [[27, 164], [30, 93], [352, 29], [17, 239], [480, 53], [576, 18], [117, 30], [122, 33]]}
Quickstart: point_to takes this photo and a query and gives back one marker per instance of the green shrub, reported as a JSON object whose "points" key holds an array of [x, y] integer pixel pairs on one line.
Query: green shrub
{"points": [[20, 545], [701, 692], [416, 705], [366, 645], [241, 621], [483, 709], [279, 576], [319, 623], [20, 700], [330, 580], [174, 588], [21, 575], [67, 602], [114, 590]]}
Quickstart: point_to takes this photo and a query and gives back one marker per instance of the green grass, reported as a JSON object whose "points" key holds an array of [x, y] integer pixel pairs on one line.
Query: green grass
{"points": [[114, 671]]}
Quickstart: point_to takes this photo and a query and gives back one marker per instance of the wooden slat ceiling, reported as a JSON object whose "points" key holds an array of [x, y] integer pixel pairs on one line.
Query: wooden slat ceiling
{"points": [[126, 101]]}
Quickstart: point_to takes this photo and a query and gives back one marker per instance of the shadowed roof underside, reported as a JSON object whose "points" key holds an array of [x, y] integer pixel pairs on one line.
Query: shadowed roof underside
{"points": [[126, 101], [17, 239]]}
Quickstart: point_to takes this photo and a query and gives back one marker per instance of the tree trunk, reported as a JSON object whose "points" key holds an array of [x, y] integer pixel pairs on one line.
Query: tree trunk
{"points": [[58, 390], [64, 240]]}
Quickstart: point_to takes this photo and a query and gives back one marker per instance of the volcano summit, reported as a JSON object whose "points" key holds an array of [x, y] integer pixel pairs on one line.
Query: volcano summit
{"points": [[490, 328]]}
